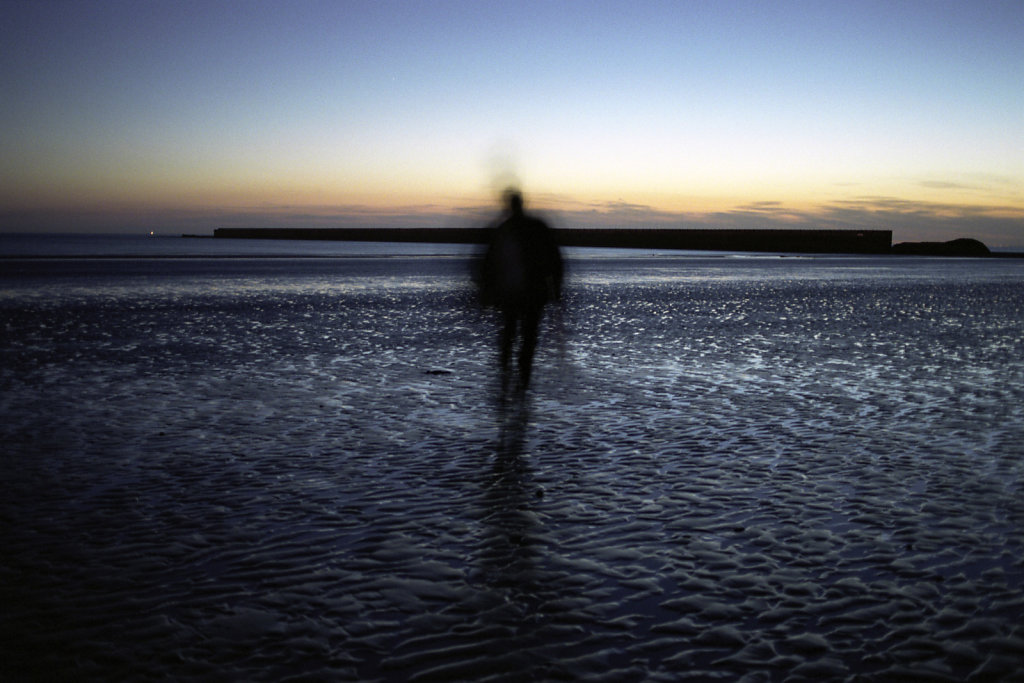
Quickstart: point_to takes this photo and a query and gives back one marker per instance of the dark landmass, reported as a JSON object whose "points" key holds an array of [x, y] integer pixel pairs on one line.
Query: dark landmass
{"points": [[959, 247], [793, 241]]}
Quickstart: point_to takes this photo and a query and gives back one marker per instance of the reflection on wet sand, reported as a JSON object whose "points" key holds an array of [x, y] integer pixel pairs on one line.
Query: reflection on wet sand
{"points": [[511, 534]]}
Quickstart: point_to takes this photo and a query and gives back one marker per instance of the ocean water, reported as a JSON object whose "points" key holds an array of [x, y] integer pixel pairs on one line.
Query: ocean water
{"points": [[252, 461], [165, 246]]}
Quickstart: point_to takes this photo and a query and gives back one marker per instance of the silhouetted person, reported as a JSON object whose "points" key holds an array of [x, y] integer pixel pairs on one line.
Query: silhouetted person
{"points": [[520, 272]]}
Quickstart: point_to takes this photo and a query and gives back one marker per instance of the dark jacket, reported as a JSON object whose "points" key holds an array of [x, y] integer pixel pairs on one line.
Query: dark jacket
{"points": [[522, 266]]}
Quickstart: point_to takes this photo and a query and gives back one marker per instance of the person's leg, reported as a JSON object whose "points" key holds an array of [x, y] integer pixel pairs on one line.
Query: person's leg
{"points": [[530, 329], [506, 341]]}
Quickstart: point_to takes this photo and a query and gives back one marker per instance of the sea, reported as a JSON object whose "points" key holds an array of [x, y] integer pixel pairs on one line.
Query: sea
{"points": [[257, 460]]}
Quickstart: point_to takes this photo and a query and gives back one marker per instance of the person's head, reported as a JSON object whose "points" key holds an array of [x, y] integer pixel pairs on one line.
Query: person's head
{"points": [[513, 200]]}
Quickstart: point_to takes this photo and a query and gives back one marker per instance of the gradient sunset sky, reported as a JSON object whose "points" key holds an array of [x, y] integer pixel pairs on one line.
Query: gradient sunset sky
{"points": [[187, 116]]}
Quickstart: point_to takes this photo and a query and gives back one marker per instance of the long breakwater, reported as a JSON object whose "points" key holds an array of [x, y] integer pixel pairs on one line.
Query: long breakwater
{"points": [[797, 241]]}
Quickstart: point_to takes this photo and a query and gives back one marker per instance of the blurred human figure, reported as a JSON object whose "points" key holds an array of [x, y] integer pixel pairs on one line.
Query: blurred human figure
{"points": [[521, 271]]}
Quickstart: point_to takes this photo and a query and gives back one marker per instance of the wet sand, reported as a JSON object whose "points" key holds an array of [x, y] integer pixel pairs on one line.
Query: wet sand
{"points": [[782, 480]]}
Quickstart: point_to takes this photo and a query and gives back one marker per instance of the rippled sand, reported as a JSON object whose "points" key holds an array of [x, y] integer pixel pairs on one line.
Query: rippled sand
{"points": [[256, 477]]}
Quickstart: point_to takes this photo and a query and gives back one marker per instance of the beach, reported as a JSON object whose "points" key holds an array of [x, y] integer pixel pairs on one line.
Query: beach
{"points": [[753, 468]]}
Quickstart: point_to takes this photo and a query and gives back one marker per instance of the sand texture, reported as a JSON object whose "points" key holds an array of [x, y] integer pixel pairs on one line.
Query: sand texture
{"points": [[778, 472]]}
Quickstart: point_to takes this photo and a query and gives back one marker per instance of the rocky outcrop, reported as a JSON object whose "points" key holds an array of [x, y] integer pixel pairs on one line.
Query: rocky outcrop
{"points": [[960, 247]]}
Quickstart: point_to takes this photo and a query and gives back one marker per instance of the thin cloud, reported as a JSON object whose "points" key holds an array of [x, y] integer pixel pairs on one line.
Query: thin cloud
{"points": [[761, 206], [620, 206], [945, 185], [936, 209], [774, 209]]}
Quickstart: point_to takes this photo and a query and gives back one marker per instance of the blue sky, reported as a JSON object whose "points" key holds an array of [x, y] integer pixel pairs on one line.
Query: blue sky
{"points": [[128, 116]]}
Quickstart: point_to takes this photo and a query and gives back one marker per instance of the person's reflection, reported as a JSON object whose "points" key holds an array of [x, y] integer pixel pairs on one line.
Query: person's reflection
{"points": [[520, 272], [509, 549]]}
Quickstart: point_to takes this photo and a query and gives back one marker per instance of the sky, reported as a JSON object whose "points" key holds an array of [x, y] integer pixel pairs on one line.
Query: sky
{"points": [[186, 116]]}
